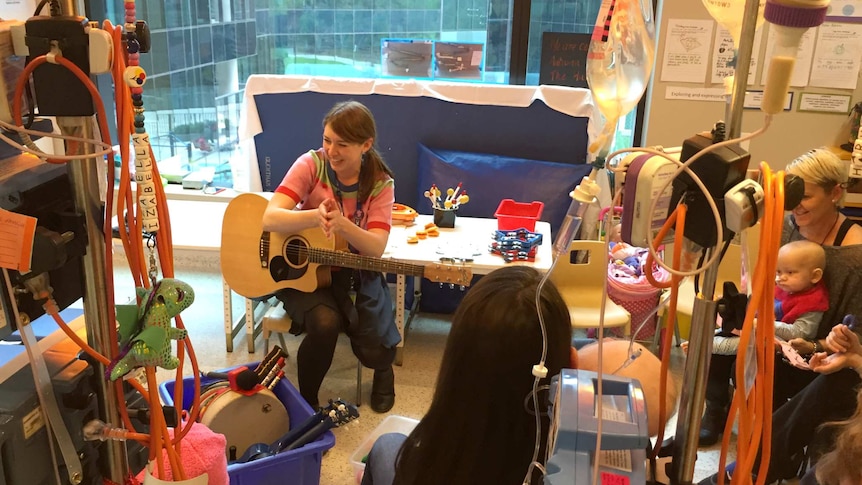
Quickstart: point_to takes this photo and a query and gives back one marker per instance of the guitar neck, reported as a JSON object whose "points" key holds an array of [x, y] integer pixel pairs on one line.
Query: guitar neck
{"points": [[356, 261]]}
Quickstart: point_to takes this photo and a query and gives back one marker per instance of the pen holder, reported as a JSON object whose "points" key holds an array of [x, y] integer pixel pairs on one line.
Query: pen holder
{"points": [[444, 217]]}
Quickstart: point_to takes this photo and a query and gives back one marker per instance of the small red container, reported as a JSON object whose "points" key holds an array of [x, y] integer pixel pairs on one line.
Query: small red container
{"points": [[515, 215]]}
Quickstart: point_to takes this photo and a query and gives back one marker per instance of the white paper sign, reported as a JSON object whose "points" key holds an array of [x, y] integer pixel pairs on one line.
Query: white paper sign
{"points": [[837, 56], [695, 94], [723, 54], [753, 100], [827, 103], [686, 50]]}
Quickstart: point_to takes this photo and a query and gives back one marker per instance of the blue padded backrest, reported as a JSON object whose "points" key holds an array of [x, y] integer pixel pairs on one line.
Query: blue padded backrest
{"points": [[292, 125], [488, 179]]}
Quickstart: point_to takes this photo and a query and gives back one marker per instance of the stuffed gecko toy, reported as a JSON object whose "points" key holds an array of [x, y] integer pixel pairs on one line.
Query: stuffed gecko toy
{"points": [[145, 329]]}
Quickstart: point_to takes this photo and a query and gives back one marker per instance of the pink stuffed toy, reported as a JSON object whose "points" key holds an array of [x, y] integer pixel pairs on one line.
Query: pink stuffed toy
{"points": [[203, 451]]}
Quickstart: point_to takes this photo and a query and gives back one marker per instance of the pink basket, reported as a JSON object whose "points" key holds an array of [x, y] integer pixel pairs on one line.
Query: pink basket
{"points": [[640, 305], [639, 298]]}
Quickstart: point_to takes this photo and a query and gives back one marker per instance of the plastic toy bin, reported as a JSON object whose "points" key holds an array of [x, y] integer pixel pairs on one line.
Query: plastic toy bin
{"points": [[296, 467], [391, 424], [515, 215]]}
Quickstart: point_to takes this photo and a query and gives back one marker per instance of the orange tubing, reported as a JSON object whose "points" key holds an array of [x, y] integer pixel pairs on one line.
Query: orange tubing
{"points": [[131, 238], [116, 34], [769, 338], [163, 440], [755, 410], [103, 128], [678, 218]]}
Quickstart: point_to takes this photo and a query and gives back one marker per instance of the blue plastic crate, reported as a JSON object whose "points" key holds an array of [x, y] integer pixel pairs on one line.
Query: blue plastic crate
{"points": [[295, 467]]}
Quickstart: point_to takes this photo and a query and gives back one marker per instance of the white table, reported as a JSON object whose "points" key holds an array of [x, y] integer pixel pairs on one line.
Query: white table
{"points": [[470, 237]]}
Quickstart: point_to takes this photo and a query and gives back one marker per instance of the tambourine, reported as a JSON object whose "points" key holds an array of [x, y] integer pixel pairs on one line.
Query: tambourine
{"points": [[245, 420]]}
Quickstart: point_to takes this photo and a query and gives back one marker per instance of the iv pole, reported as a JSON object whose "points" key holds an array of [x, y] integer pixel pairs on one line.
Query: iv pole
{"points": [[704, 309], [84, 178]]}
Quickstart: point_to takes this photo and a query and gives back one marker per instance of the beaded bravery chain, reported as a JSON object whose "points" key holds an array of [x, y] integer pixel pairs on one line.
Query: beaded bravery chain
{"points": [[135, 78]]}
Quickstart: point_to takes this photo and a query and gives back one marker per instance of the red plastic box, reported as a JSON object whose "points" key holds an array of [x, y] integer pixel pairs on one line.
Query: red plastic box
{"points": [[515, 215]]}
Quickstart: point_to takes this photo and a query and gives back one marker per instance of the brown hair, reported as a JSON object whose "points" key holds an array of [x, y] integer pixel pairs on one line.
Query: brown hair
{"points": [[477, 429], [353, 122], [845, 460]]}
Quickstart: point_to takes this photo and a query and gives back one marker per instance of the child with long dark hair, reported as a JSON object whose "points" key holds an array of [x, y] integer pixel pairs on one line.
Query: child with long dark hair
{"points": [[478, 428]]}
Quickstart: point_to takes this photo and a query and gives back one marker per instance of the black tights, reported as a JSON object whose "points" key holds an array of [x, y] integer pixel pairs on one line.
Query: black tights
{"points": [[314, 358]]}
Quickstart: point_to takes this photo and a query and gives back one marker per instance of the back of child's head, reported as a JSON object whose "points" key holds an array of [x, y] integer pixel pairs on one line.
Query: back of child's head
{"points": [[843, 464], [478, 428]]}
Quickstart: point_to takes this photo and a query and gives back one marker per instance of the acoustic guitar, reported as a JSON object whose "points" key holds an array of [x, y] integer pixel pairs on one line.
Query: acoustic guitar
{"points": [[256, 263]]}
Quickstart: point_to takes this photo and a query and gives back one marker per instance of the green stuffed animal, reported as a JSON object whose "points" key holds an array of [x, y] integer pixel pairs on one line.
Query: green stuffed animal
{"points": [[145, 329]]}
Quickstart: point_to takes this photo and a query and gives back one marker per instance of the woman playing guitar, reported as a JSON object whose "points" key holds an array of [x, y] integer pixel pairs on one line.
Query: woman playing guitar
{"points": [[347, 190]]}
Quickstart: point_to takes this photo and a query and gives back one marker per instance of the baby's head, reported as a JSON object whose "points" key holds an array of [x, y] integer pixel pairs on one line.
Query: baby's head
{"points": [[800, 266]]}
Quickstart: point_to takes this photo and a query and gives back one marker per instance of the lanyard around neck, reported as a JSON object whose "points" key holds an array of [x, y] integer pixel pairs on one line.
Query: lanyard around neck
{"points": [[336, 186]]}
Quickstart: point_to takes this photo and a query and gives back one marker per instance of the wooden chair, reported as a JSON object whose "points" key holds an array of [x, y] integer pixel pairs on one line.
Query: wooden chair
{"points": [[277, 320], [580, 285]]}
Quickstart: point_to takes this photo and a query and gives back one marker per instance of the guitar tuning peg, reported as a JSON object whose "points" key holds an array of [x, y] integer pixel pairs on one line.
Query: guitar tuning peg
{"points": [[451, 286], [462, 287]]}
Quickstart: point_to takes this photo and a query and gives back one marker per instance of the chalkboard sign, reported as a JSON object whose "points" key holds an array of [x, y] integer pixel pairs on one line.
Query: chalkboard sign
{"points": [[564, 59]]}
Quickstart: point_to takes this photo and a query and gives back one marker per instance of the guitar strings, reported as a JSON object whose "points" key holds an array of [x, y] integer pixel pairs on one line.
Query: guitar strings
{"points": [[333, 258]]}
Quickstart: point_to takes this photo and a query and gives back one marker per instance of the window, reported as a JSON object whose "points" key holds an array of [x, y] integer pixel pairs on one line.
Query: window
{"points": [[203, 50]]}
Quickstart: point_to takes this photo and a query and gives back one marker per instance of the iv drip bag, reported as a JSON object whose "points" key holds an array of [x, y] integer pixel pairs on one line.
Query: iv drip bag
{"points": [[729, 13], [620, 60]]}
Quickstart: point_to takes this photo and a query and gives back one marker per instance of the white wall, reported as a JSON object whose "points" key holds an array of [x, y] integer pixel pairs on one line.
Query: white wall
{"points": [[669, 122], [19, 10]]}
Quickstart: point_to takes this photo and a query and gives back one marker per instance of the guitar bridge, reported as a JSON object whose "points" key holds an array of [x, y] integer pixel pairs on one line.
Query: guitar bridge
{"points": [[264, 249]]}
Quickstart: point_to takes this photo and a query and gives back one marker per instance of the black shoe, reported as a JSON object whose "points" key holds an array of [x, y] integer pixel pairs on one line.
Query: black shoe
{"points": [[383, 390], [711, 426]]}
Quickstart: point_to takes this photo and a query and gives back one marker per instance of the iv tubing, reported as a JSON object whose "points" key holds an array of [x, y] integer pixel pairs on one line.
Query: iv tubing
{"points": [[534, 462], [684, 167], [599, 365]]}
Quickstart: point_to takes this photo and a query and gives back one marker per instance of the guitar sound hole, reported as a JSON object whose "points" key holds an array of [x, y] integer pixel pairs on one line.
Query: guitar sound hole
{"points": [[296, 252]]}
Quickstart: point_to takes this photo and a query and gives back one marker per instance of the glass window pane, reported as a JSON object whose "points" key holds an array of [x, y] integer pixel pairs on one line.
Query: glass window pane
{"points": [[569, 17], [556, 16], [203, 51]]}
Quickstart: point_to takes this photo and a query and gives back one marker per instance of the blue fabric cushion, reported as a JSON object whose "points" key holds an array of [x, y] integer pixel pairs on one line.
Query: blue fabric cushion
{"points": [[488, 179]]}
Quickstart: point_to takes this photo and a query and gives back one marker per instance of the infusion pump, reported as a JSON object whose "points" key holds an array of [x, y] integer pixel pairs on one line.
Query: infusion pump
{"points": [[574, 429]]}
